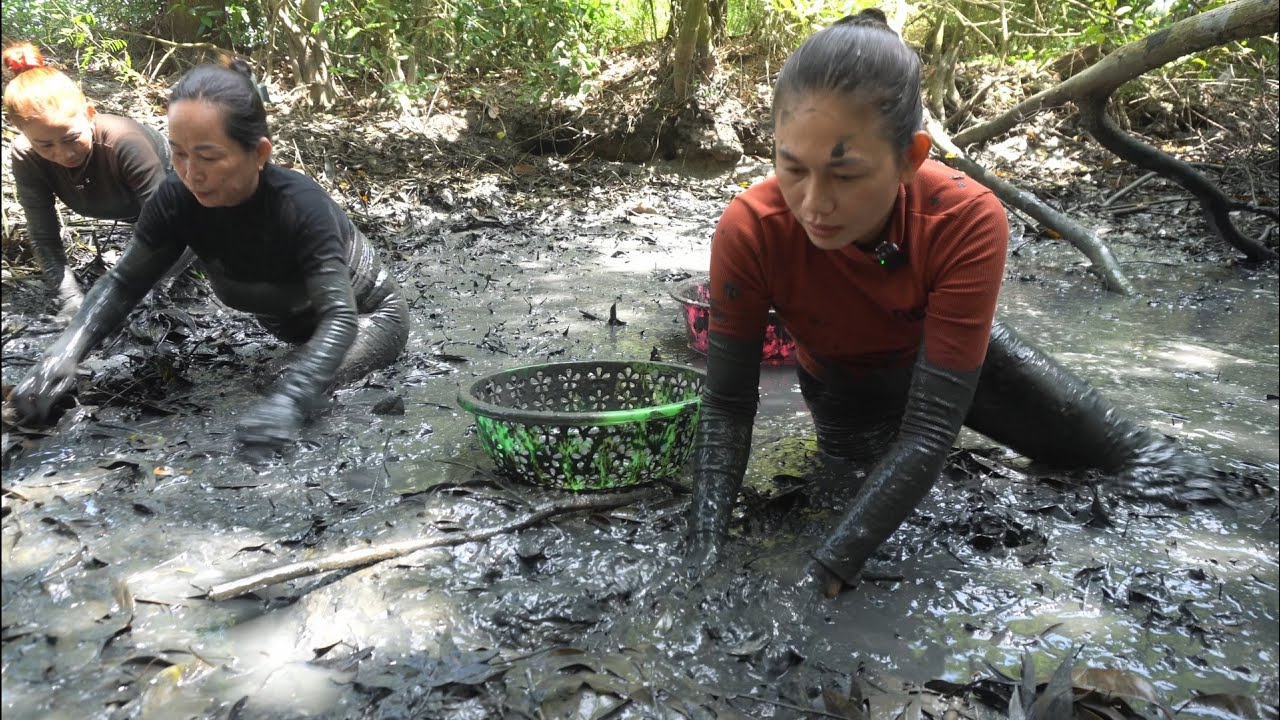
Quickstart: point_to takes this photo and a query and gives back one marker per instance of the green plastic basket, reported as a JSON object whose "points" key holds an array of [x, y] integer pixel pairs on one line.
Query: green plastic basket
{"points": [[587, 425]]}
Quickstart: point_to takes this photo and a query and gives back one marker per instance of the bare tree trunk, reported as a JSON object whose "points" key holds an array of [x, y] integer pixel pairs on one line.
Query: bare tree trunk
{"points": [[1239, 20], [692, 50], [718, 11], [309, 51], [177, 23]]}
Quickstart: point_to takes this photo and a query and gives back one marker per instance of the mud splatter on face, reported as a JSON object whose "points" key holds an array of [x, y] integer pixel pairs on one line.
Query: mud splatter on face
{"points": [[838, 150]]}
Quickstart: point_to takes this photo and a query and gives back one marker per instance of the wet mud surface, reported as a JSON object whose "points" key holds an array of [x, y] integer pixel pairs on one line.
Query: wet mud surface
{"points": [[120, 518]]}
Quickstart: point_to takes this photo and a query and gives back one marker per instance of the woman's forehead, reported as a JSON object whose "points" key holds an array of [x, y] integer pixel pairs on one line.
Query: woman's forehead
{"points": [[833, 125], [808, 106], [197, 117], [54, 125]]}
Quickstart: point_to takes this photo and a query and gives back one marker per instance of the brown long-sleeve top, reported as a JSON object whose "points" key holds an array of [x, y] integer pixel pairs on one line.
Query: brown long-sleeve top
{"points": [[126, 164]]}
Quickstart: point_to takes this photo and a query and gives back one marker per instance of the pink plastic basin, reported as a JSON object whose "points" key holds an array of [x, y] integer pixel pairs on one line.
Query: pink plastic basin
{"points": [[694, 295]]}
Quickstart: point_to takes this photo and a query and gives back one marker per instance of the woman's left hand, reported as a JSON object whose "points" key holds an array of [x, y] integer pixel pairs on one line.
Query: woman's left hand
{"points": [[274, 423]]}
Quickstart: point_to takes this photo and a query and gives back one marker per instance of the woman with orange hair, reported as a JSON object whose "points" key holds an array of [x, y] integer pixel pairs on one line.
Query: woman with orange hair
{"points": [[99, 165]]}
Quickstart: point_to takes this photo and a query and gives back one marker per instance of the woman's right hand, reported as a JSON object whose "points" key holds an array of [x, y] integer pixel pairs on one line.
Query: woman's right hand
{"points": [[45, 384]]}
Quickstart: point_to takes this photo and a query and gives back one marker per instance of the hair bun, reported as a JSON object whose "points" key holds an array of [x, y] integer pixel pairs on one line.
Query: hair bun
{"points": [[238, 65], [870, 17], [23, 57]]}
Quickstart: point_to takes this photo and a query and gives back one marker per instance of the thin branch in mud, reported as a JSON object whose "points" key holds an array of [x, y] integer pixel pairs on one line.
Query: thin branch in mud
{"points": [[361, 557], [511, 493], [784, 705], [1130, 188]]}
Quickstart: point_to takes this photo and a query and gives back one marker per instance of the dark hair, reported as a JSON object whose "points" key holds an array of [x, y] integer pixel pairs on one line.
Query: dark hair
{"points": [[233, 88], [860, 56]]}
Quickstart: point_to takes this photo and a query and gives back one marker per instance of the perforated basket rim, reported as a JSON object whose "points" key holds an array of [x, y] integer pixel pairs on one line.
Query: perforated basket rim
{"points": [[470, 402], [688, 285]]}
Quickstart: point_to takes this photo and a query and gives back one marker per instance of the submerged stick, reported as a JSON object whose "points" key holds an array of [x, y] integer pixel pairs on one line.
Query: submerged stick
{"points": [[386, 551]]}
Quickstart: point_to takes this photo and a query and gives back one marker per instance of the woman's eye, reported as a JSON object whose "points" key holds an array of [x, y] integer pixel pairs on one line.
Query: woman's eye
{"points": [[205, 158]]}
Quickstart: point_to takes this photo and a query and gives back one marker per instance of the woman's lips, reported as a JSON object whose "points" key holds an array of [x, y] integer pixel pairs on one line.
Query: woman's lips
{"points": [[825, 232]]}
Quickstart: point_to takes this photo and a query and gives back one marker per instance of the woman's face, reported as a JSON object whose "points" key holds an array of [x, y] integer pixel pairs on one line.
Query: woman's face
{"points": [[62, 138], [219, 171], [837, 171]]}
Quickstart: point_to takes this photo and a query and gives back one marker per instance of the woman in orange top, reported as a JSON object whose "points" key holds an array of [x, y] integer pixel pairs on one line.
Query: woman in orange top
{"points": [[886, 266], [99, 165]]}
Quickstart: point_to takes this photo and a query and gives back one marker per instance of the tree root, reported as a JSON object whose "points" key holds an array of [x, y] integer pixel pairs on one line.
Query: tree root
{"points": [[1217, 206], [1233, 21]]}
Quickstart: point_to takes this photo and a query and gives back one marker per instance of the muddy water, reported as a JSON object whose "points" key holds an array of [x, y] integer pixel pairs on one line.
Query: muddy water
{"points": [[118, 521]]}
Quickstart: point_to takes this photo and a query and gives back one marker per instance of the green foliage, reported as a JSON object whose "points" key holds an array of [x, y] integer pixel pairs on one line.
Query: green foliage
{"points": [[402, 48], [82, 27], [48, 22], [1039, 31], [239, 24], [557, 42]]}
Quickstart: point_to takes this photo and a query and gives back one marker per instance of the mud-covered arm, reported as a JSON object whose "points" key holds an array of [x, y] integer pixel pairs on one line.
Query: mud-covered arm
{"points": [[38, 204], [963, 268], [723, 442], [278, 419], [104, 309], [937, 402]]}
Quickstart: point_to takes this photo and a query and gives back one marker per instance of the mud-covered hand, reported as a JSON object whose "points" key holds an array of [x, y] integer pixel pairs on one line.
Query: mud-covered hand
{"points": [[702, 554], [44, 385], [273, 423], [937, 402], [103, 310], [1159, 469]]}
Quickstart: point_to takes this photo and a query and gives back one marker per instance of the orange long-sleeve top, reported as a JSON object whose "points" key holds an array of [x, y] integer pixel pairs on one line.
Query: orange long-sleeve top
{"points": [[846, 311]]}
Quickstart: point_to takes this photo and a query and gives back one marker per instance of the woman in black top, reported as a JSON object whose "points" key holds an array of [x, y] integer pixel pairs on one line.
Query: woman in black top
{"points": [[273, 243]]}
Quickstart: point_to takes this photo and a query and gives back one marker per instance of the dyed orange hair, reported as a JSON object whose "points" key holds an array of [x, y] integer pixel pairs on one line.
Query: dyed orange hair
{"points": [[38, 91]]}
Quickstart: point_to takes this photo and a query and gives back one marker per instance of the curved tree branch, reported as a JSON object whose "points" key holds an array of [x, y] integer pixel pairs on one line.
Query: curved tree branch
{"points": [[1217, 206], [1237, 21], [1084, 239]]}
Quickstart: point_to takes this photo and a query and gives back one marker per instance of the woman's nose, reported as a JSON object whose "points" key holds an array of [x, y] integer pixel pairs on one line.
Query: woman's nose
{"points": [[818, 201]]}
